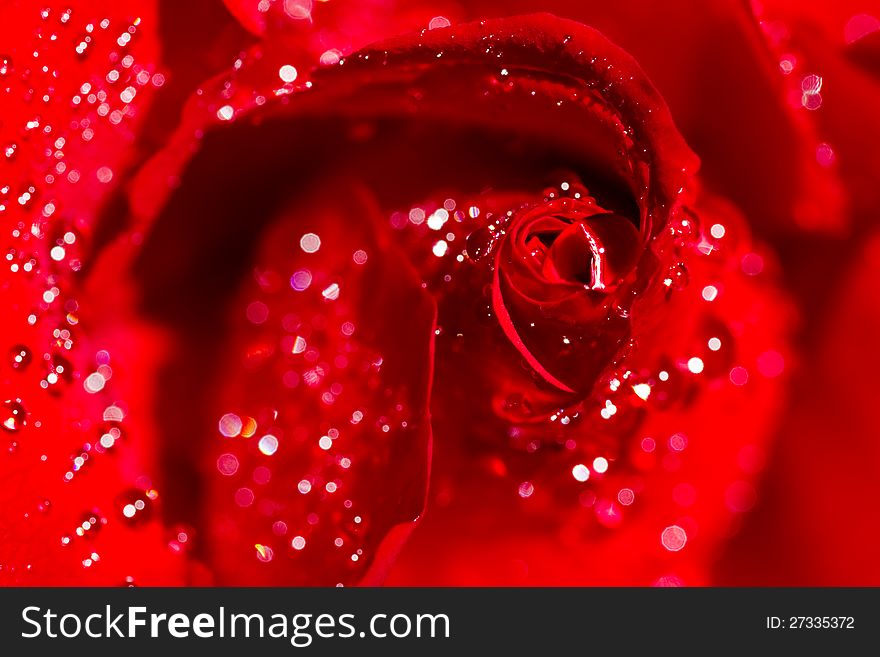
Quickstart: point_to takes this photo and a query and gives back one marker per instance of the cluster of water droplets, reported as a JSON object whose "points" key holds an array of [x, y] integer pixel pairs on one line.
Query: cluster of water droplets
{"points": [[71, 90], [598, 452]]}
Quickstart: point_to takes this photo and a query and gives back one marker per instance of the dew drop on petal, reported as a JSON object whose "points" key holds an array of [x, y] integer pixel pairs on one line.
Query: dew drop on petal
{"points": [[438, 22], [230, 425], [298, 9], [526, 489], [812, 101], [287, 73], [227, 464], [787, 64], [678, 442], [310, 243], [14, 415], [244, 497], [811, 84], [580, 472], [268, 444], [438, 219], [642, 390], [825, 155], [301, 280], [331, 57], [104, 174], [94, 382], [673, 538]]}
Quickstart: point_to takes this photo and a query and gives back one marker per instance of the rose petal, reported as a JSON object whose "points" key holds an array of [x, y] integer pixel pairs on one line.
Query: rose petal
{"points": [[75, 461], [823, 478], [331, 358]]}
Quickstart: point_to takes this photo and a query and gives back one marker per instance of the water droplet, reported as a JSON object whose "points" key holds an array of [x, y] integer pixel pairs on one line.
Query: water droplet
{"points": [[287, 73], [298, 9], [580, 472], [310, 243], [677, 277], [268, 444], [14, 415], [227, 464], [230, 425], [5, 65], [439, 22], [673, 538]]}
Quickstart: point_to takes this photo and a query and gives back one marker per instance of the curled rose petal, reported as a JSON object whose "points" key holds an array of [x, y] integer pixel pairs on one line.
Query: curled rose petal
{"points": [[317, 373], [556, 282]]}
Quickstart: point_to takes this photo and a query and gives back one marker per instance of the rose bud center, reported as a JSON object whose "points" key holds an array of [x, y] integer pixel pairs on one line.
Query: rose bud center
{"points": [[596, 252], [563, 272]]}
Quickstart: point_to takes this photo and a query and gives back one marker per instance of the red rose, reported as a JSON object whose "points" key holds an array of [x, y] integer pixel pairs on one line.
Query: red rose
{"points": [[475, 257]]}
